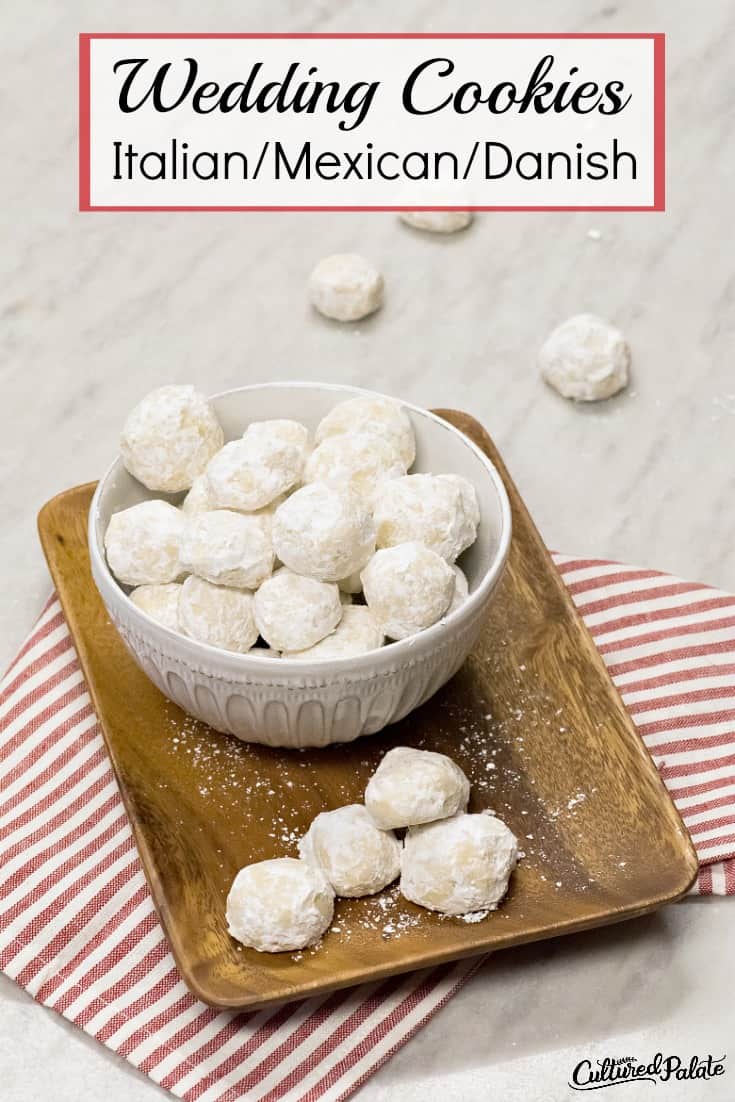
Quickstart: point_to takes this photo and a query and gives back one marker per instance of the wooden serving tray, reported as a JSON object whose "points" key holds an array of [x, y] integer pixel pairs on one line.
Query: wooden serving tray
{"points": [[533, 718]]}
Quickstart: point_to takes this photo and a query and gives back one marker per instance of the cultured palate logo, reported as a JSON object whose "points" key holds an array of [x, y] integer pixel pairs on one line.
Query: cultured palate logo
{"points": [[589, 1075]]}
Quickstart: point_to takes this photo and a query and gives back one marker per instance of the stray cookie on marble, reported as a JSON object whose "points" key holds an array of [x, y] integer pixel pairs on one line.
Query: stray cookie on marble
{"points": [[437, 221], [585, 359], [345, 287]]}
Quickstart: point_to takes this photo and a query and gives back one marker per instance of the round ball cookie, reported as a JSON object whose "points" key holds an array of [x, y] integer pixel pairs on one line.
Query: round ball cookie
{"points": [[288, 432], [169, 437], [218, 615], [293, 612], [143, 544], [198, 499], [411, 787], [468, 497], [360, 461], [426, 508], [160, 602], [458, 865], [437, 221], [249, 473], [357, 632], [376, 416], [355, 856], [324, 532], [586, 359], [279, 905], [227, 548], [345, 287], [461, 589], [408, 588]]}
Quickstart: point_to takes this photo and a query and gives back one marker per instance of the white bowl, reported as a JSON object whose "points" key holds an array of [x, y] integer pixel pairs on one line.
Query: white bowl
{"points": [[281, 702]]}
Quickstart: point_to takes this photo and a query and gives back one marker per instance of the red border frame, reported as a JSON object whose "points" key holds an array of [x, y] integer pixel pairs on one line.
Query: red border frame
{"points": [[659, 119]]}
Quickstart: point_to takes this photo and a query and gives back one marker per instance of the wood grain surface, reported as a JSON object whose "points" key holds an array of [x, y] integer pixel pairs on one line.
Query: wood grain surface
{"points": [[533, 718]]}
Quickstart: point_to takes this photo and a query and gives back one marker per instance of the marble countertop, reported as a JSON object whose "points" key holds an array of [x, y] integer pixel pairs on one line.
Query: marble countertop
{"points": [[96, 309]]}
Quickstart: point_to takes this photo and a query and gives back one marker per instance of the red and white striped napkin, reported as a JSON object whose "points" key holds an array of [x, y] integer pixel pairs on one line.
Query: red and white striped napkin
{"points": [[78, 929]]}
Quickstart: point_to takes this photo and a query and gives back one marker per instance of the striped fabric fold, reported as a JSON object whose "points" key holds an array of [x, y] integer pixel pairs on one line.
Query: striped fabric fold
{"points": [[78, 929]]}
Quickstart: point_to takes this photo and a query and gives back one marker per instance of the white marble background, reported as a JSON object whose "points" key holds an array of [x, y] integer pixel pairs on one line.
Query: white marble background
{"points": [[95, 309]]}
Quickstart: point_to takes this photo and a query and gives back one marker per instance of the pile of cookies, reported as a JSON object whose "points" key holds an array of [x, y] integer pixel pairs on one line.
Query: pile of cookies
{"points": [[449, 861], [284, 546]]}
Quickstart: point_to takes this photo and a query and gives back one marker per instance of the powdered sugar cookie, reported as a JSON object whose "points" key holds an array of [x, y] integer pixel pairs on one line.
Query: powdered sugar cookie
{"points": [[345, 287], [143, 544], [218, 615], [359, 461], [357, 632], [585, 358], [160, 602], [415, 786], [324, 532], [355, 856], [408, 588], [279, 905], [376, 416], [427, 508], [293, 612], [227, 548], [458, 865], [249, 473], [437, 221], [169, 438]]}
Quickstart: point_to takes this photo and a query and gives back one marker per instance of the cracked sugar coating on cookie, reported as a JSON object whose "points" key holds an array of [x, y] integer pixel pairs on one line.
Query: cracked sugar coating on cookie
{"points": [[345, 287], [408, 588], [458, 865], [249, 473], [411, 786], [376, 416], [293, 612], [169, 437], [427, 508], [143, 544], [357, 632], [355, 856], [437, 221], [160, 602], [279, 905], [227, 548], [461, 589], [218, 615], [324, 532], [586, 359], [360, 461]]}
